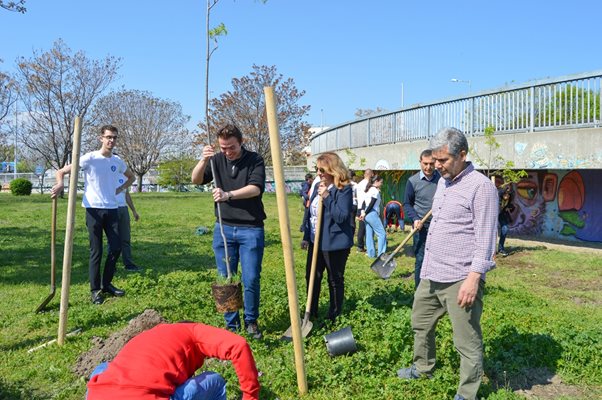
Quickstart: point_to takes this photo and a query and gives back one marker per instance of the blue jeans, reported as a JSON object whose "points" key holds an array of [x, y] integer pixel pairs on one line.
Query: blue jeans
{"points": [[375, 225], [245, 244], [206, 386], [419, 242]]}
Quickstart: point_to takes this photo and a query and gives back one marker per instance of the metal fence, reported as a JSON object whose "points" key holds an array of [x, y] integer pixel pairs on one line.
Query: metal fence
{"points": [[566, 102]]}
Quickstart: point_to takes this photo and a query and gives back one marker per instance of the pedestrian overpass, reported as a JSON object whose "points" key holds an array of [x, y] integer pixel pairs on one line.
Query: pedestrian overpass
{"points": [[552, 128]]}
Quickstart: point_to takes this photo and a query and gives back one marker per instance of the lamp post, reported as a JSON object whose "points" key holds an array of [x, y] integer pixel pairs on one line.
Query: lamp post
{"points": [[16, 131], [456, 80], [401, 94]]}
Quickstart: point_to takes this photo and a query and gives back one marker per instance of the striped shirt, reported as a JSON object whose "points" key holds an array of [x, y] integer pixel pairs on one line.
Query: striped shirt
{"points": [[463, 230]]}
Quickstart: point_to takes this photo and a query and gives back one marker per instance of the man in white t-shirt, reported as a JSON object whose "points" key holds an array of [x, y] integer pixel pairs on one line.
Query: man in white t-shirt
{"points": [[361, 195], [101, 172]]}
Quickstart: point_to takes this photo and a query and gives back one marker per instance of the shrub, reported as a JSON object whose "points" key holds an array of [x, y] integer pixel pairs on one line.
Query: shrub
{"points": [[20, 187]]}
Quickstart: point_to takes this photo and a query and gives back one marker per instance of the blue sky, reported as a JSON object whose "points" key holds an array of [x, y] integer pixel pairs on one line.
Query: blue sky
{"points": [[346, 54]]}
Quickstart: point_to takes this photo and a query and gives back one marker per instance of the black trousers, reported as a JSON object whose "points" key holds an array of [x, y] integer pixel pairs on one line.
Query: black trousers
{"points": [[334, 263], [361, 235], [97, 221]]}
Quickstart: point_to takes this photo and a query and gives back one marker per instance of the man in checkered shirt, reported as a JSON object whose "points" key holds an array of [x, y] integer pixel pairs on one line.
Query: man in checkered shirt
{"points": [[459, 251]]}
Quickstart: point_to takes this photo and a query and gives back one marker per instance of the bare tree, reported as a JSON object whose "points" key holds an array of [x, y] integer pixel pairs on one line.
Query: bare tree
{"points": [[212, 34], [8, 94], [147, 127], [245, 107], [17, 6], [55, 87]]}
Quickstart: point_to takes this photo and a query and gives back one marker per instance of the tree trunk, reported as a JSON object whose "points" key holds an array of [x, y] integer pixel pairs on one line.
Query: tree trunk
{"points": [[139, 187]]}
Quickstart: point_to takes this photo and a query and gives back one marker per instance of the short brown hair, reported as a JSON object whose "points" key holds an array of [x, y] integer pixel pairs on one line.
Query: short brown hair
{"points": [[230, 130], [109, 128]]}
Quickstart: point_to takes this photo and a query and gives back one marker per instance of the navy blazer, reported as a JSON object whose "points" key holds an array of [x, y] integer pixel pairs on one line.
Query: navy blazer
{"points": [[337, 220]]}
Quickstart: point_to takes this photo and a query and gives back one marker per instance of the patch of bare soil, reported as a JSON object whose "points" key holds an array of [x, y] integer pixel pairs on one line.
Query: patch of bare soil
{"points": [[106, 349], [539, 383]]}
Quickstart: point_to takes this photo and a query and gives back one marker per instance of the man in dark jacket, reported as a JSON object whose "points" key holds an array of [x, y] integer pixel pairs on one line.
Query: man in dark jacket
{"points": [[239, 179]]}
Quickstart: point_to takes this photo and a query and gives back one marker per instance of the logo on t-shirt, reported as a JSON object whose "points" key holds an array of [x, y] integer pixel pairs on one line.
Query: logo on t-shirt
{"points": [[121, 180], [113, 168]]}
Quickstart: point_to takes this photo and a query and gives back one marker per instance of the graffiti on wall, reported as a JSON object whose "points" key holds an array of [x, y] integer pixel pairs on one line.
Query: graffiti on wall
{"points": [[558, 204], [561, 204]]}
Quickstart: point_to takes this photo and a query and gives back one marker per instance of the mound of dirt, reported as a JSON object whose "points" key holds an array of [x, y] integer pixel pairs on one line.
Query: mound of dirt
{"points": [[106, 349]]}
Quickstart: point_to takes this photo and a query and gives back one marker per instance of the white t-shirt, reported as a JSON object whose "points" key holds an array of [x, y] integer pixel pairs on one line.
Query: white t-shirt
{"points": [[370, 194], [101, 176], [361, 193]]}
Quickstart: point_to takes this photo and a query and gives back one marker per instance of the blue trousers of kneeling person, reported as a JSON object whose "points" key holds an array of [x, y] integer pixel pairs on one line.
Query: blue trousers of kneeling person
{"points": [[206, 386]]}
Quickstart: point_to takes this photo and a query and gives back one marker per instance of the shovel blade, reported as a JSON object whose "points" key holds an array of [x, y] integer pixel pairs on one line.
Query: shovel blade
{"points": [[382, 267], [306, 326]]}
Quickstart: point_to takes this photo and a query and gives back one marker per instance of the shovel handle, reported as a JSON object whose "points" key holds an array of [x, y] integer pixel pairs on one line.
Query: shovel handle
{"points": [[407, 238], [314, 257], [221, 227]]}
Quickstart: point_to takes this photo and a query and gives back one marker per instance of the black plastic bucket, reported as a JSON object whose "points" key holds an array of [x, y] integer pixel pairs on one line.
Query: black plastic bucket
{"points": [[340, 342]]}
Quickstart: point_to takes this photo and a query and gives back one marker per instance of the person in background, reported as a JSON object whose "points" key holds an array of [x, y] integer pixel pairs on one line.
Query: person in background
{"points": [[361, 225], [370, 215], [505, 217], [160, 364], [102, 170], [354, 206], [304, 192], [336, 238], [459, 252], [239, 178], [124, 200], [393, 213], [418, 200]]}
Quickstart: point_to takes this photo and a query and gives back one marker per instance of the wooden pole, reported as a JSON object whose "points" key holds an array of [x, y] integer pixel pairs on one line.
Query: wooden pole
{"points": [[68, 252], [285, 235]]}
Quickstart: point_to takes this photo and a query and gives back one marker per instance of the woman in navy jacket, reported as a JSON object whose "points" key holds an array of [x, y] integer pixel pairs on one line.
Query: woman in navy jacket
{"points": [[336, 238]]}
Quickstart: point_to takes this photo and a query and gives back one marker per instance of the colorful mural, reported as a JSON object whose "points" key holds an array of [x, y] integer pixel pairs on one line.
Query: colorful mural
{"points": [[559, 204], [562, 204]]}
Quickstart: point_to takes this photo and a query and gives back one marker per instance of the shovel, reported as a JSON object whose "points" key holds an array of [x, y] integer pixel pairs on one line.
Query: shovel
{"points": [[384, 265], [306, 325], [52, 259]]}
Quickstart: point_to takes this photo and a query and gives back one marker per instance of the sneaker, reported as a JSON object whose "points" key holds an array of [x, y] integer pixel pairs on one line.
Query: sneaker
{"points": [[133, 268], [458, 397], [96, 297], [253, 330], [411, 373], [503, 253]]}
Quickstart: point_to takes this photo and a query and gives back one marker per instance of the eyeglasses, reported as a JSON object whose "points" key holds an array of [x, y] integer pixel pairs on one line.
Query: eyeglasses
{"points": [[321, 170], [110, 137]]}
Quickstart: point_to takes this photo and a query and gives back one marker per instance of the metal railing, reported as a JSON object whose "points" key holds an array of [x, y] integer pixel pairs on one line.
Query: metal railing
{"points": [[567, 102]]}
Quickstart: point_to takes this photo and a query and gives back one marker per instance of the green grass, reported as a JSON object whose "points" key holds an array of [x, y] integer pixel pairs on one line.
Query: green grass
{"points": [[542, 309]]}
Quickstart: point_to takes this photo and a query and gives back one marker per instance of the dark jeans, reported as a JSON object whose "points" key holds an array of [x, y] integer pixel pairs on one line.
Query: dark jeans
{"points": [[97, 221], [334, 262], [503, 233], [419, 242]]}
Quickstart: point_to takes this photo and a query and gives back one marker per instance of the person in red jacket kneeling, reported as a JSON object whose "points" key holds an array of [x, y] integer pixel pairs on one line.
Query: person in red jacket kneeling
{"points": [[160, 363]]}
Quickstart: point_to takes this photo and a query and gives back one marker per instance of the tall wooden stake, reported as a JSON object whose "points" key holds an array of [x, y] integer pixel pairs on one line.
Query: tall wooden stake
{"points": [[285, 235], [68, 252]]}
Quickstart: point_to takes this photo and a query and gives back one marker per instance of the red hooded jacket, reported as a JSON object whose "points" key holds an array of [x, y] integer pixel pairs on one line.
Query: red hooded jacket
{"points": [[152, 364]]}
